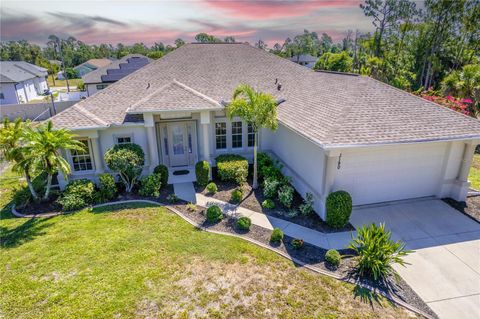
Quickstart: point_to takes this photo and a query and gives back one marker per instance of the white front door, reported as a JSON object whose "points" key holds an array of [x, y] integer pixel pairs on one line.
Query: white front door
{"points": [[177, 136]]}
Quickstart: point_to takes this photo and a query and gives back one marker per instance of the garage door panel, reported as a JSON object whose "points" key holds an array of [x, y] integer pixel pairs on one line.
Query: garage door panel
{"points": [[391, 174]]}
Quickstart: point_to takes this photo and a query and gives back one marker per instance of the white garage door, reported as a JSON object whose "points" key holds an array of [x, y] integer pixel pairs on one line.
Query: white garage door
{"points": [[391, 173]]}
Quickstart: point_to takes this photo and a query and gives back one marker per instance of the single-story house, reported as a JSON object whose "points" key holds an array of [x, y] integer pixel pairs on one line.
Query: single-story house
{"points": [[87, 67], [104, 76], [305, 60], [336, 131], [21, 82]]}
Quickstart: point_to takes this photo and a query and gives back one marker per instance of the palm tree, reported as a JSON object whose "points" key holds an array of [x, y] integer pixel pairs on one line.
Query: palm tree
{"points": [[465, 83], [257, 109], [44, 145], [12, 147]]}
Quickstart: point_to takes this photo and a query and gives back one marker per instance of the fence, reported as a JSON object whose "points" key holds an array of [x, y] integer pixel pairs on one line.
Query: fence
{"points": [[34, 111]]}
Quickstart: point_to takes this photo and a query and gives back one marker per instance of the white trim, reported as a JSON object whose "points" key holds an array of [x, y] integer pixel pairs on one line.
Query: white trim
{"points": [[90, 153], [123, 135]]}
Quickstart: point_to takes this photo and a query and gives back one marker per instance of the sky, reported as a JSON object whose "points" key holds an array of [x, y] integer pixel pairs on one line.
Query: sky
{"points": [[129, 22]]}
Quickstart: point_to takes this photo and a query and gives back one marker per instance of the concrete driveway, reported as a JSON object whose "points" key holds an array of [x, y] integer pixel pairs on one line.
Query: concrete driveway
{"points": [[445, 267]]}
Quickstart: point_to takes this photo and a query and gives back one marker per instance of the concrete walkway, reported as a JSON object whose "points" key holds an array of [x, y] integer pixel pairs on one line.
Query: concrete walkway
{"points": [[327, 241], [185, 191]]}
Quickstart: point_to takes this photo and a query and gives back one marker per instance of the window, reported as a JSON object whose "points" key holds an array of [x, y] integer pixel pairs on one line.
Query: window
{"points": [[101, 86], [236, 134], [82, 160], [250, 136], [221, 135], [124, 139]]}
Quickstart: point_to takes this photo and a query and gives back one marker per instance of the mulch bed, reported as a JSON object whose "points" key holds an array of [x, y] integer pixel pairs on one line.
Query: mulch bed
{"points": [[253, 200], [471, 207], [313, 256], [41, 207]]}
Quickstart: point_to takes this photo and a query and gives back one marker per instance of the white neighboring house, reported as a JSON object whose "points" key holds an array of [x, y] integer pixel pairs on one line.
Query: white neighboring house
{"points": [[305, 60], [21, 82], [102, 77], [336, 131]]}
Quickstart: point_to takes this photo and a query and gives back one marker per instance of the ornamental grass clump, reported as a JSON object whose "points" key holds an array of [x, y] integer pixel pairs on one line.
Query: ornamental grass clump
{"points": [[339, 209], [127, 160], [376, 252]]}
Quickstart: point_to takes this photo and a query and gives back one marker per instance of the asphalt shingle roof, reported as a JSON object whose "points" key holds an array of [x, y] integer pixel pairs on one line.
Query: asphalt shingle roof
{"points": [[329, 109], [18, 71], [96, 75]]}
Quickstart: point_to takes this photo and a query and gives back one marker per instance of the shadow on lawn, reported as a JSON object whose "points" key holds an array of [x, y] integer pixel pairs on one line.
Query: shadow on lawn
{"points": [[29, 230]]}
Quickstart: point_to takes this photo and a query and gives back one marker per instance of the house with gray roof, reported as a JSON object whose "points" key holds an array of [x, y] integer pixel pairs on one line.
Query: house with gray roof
{"points": [[336, 131], [21, 82], [102, 77], [305, 60]]}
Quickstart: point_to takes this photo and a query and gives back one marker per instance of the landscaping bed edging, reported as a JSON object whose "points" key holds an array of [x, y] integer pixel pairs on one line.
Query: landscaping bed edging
{"points": [[253, 241]]}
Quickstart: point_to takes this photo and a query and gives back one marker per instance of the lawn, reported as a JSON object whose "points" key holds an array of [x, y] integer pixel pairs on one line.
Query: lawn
{"points": [[474, 176], [145, 262], [72, 82]]}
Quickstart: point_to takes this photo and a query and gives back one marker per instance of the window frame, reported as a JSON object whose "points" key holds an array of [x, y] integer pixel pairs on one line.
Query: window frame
{"points": [[71, 156], [117, 136], [221, 121], [248, 136], [236, 134], [102, 86]]}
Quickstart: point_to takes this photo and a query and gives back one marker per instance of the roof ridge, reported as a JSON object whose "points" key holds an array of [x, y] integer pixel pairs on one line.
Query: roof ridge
{"points": [[90, 115], [149, 96], [197, 93]]}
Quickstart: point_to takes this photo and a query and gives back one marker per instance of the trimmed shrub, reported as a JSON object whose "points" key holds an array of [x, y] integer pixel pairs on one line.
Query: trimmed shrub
{"points": [[150, 185], [202, 170], [377, 252], [107, 187], [277, 235], [268, 204], [162, 170], [285, 195], [233, 168], [267, 167], [333, 258], [127, 160], [212, 188], [270, 187], [307, 207], [297, 243], [244, 223], [214, 214], [172, 198], [339, 209], [77, 194], [237, 195]]}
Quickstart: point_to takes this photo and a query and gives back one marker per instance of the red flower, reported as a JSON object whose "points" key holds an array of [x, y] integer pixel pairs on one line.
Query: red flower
{"points": [[466, 101]]}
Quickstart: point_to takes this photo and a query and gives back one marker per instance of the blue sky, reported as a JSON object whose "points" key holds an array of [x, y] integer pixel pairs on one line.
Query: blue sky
{"points": [[164, 21]]}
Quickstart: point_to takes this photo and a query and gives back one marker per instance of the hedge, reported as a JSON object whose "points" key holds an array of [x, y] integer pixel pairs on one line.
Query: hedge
{"points": [[233, 168], [339, 209]]}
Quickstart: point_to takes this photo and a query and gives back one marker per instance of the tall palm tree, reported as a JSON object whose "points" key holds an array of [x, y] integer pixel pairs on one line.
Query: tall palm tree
{"points": [[257, 109], [44, 145], [12, 148]]}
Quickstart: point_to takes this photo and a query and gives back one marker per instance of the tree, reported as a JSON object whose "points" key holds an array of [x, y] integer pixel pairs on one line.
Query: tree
{"points": [[206, 38], [260, 44], [340, 62], [127, 160], [155, 55], [258, 109], [12, 147], [229, 39], [43, 148], [466, 84], [179, 42]]}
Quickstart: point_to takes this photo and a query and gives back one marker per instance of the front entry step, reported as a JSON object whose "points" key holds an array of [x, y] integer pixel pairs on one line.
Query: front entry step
{"points": [[185, 191]]}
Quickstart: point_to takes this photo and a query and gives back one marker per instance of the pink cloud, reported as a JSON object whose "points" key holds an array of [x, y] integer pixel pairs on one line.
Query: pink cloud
{"points": [[269, 9]]}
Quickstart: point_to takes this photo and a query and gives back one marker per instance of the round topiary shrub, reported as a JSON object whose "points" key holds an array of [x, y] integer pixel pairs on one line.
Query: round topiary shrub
{"points": [[202, 171], [127, 160], [237, 195], [268, 204], [277, 235], [162, 170], [244, 223], [212, 188], [339, 209], [297, 243], [333, 258], [214, 214]]}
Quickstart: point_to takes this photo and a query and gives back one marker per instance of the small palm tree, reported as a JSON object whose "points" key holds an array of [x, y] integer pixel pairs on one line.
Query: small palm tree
{"points": [[43, 147], [465, 83], [257, 109], [12, 147]]}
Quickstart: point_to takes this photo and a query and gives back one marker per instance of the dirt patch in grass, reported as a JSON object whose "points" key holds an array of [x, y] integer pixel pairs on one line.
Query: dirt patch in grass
{"points": [[253, 199], [471, 207], [311, 255]]}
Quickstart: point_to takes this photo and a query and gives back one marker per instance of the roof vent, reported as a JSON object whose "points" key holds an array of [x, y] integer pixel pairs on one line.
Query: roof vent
{"points": [[279, 86], [148, 85], [276, 80]]}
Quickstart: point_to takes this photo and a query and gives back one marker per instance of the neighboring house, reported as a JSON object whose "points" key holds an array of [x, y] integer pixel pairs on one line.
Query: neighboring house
{"points": [[21, 82], [305, 60], [87, 67], [102, 77], [335, 131]]}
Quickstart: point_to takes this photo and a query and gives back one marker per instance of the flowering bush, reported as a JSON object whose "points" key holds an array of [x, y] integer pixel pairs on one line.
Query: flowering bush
{"points": [[464, 106]]}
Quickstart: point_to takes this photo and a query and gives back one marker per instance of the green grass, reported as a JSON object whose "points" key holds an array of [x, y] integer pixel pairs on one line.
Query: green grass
{"points": [[474, 176], [141, 261], [72, 82]]}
